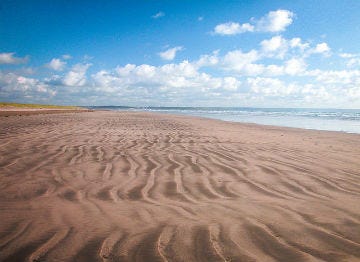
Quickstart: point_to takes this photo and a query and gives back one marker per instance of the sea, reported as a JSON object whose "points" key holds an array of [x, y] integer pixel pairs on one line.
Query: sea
{"points": [[342, 120]]}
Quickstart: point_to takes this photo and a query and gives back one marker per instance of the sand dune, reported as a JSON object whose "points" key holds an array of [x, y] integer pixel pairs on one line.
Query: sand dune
{"points": [[120, 186]]}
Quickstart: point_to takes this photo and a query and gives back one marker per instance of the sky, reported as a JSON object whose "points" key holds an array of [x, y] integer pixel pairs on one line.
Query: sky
{"points": [[292, 54]]}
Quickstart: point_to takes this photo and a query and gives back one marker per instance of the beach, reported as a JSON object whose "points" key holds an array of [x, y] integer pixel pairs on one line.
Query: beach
{"points": [[140, 186], [25, 111]]}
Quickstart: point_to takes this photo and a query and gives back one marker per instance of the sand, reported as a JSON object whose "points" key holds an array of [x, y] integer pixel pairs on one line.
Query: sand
{"points": [[21, 111], [121, 186]]}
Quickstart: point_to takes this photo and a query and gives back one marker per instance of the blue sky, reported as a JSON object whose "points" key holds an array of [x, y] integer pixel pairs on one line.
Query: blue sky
{"points": [[181, 53]]}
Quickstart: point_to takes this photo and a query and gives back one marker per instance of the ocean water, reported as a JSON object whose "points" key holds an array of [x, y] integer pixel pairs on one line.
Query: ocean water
{"points": [[344, 120]]}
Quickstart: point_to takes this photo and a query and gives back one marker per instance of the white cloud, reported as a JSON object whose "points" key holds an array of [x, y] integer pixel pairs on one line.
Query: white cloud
{"points": [[77, 75], [208, 60], [273, 44], [170, 53], [274, 21], [168, 79], [126, 70], [347, 55], [9, 58], [297, 43], [232, 28], [146, 71], [14, 84], [252, 63], [105, 81], [342, 77], [321, 48], [239, 61], [352, 60], [279, 47], [293, 53], [200, 18], [269, 86], [295, 66], [276, 46], [274, 74], [274, 70], [158, 15], [231, 83], [305, 94], [260, 62], [56, 64]]}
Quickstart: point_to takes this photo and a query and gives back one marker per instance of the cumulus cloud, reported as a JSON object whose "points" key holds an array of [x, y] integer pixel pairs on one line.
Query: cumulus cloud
{"points": [[185, 80], [295, 66], [304, 94], [274, 21], [268, 86], [158, 15], [276, 73], [322, 48], [18, 85], [56, 64], [276, 56], [10, 58], [230, 83], [342, 77], [170, 53], [307, 49], [298, 43], [279, 47], [273, 44], [77, 75], [238, 60], [276, 46], [247, 64], [232, 28], [178, 78], [208, 60]]}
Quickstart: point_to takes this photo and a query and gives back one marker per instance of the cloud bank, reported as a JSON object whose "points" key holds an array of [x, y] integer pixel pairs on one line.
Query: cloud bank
{"points": [[276, 72]]}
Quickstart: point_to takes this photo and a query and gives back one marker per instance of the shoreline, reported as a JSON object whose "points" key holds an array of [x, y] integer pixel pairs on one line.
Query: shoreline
{"points": [[240, 122], [39, 111], [137, 186], [303, 122]]}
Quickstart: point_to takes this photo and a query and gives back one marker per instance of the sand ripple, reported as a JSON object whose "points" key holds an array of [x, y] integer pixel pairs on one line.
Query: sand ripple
{"points": [[115, 186]]}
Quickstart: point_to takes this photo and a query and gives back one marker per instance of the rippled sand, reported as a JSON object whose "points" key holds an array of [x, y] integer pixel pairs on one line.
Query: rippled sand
{"points": [[119, 186]]}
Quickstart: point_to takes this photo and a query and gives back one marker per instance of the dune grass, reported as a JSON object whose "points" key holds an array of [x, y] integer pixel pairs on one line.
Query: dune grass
{"points": [[17, 105]]}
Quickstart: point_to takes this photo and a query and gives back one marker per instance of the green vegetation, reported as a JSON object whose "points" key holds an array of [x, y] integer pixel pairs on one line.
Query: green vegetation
{"points": [[5, 104]]}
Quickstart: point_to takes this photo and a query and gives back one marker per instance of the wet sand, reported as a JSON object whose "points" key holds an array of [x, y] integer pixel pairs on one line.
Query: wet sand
{"points": [[121, 186]]}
